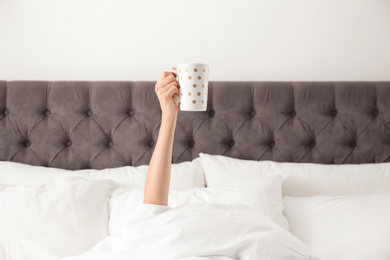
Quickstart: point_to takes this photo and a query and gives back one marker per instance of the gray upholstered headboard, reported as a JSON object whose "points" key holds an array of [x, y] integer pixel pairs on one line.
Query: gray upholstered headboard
{"points": [[78, 125]]}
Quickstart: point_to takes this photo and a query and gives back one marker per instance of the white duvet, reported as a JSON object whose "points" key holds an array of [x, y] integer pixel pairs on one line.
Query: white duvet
{"points": [[198, 232]]}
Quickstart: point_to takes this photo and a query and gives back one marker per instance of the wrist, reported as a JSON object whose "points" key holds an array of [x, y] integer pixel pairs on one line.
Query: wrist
{"points": [[169, 117]]}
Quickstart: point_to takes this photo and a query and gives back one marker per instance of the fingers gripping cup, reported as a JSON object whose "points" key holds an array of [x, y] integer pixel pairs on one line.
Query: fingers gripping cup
{"points": [[193, 81]]}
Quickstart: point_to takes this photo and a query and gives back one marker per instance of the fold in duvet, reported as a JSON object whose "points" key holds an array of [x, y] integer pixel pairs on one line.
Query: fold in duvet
{"points": [[198, 232]]}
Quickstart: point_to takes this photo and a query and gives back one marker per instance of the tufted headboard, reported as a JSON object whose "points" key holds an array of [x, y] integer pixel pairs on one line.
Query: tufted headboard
{"points": [[79, 125]]}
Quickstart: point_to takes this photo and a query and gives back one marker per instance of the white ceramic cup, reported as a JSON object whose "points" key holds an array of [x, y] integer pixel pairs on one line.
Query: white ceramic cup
{"points": [[193, 80]]}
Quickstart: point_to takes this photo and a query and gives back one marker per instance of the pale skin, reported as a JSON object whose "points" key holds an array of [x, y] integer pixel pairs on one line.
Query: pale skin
{"points": [[159, 171]]}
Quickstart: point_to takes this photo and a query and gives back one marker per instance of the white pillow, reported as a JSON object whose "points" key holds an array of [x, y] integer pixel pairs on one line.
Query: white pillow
{"points": [[57, 219], [262, 195], [342, 227], [301, 179], [185, 175]]}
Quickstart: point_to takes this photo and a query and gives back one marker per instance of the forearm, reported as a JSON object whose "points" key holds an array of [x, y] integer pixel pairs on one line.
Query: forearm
{"points": [[159, 171]]}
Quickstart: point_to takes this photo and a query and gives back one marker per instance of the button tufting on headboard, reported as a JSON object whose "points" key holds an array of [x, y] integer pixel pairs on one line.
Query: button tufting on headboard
{"points": [[375, 112], [80, 124], [333, 112]]}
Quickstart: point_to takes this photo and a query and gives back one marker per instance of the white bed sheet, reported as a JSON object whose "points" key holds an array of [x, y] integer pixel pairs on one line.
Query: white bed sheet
{"points": [[210, 231]]}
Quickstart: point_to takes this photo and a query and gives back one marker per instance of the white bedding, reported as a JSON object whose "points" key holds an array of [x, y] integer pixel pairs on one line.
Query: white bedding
{"points": [[301, 179], [211, 231], [61, 218], [263, 195], [184, 175], [207, 258], [239, 232], [342, 227]]}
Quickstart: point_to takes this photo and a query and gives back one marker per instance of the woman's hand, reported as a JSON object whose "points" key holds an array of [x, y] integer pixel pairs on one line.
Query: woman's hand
{"points": [[165, 89]]}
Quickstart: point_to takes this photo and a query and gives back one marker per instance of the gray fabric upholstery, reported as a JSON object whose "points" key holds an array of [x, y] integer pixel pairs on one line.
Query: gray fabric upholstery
{"points": [[78, 125]]}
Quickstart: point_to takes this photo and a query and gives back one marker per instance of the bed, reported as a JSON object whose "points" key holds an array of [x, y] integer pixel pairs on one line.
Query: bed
{"points": [[328, 140]]}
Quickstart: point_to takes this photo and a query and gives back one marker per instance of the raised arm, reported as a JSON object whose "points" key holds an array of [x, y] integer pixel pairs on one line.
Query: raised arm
{"points": [[159, 172]]}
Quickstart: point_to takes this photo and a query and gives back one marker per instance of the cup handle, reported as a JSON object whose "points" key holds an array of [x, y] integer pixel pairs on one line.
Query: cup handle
{"points": [[177, 79]]}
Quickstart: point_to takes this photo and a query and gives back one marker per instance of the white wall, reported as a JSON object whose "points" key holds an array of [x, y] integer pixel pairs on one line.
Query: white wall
{"points": [[241, 39]]}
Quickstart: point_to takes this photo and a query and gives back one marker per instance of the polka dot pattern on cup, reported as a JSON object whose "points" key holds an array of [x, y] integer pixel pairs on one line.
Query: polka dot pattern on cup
{"points": [[189, 76]]}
